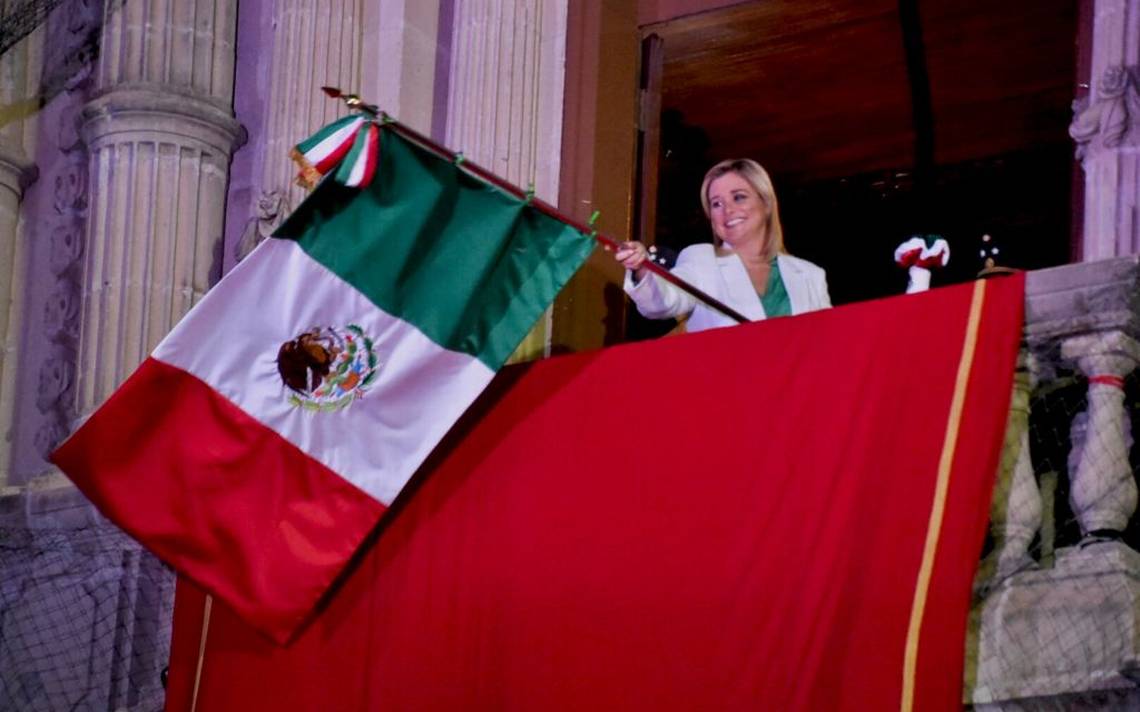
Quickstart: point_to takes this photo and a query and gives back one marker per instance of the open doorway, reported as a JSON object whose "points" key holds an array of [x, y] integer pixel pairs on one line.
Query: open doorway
{"points": [[878, 119]]}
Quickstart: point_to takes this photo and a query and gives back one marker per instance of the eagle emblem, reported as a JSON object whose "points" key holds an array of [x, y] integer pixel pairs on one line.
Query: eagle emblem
{"points": [[327, 368]]}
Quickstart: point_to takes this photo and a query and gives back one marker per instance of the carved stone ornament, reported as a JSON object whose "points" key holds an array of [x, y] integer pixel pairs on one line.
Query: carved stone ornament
{"points": [[61, 312], [63, 307], [1112, 118], [84, 16], [70, 60], [67, 132], [70, 193], [49, 436], [65, 247], [57, 376], [272, 207]]}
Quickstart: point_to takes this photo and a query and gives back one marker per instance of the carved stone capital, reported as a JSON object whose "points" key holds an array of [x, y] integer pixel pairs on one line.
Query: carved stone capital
{"points": [[1110, 118], [1111, 353], [16, 171], [160, 114]]}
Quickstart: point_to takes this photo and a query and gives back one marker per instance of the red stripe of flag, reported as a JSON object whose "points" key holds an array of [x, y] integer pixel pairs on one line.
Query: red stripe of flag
{"points": [[219, 496]]}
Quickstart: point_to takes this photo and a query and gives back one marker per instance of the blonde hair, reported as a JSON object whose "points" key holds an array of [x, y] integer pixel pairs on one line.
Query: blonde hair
{"points": [[761, 182]]}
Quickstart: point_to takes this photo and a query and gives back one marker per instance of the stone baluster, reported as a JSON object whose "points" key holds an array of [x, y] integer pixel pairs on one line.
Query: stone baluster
{"points": [[1103, 490], [1106, 128], [1015, 512], [505, 99], [160, 132]]}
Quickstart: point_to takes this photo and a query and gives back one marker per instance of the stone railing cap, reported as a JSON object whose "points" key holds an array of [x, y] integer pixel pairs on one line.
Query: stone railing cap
{"points": [[1083, 298]]}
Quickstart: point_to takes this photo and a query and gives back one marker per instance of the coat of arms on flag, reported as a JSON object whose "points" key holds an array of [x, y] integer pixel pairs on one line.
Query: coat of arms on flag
{"points": [[327, 368]]}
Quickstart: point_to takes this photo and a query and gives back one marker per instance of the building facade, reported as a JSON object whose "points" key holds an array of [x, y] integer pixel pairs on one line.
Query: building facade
{"points": [[144, 151]]}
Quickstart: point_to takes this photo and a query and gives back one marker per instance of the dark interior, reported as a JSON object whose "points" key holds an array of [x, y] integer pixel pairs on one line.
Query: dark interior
{"points": [[879, 119]]}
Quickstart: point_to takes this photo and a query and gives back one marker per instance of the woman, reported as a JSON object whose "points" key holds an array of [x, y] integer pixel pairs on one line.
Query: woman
{"points": [[747, 267]]}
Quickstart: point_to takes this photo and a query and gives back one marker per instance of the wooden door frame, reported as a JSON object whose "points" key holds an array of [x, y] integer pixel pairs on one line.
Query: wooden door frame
{"points": [[599, 151]]}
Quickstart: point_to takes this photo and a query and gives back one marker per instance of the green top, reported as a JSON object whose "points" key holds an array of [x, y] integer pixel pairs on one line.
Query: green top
{"points": [[775, 297]]}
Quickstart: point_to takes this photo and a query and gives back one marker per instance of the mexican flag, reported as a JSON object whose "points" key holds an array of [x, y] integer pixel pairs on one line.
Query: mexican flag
{"points": [[267, 434]]}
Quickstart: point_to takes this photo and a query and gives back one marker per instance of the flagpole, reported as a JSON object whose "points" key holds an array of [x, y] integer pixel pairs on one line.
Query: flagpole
{"points": [[354, 102]]}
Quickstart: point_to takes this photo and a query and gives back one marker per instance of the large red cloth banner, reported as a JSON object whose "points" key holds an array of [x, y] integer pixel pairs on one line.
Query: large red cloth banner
{"points": [[784, 515]]}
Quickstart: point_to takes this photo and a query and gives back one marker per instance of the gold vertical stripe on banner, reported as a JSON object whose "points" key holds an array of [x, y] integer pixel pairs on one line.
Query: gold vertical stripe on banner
{"points": [[201, 651], [938, 508]]}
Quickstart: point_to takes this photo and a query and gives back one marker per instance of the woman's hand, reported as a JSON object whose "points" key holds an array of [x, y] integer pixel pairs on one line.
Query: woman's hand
{"points": [[632, 256]]}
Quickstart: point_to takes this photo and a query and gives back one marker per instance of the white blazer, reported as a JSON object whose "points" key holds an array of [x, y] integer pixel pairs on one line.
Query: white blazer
{"points": [[725, 278]]}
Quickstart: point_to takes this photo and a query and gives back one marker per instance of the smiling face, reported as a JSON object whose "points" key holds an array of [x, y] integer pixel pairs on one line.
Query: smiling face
{"points": [[736, 211]]}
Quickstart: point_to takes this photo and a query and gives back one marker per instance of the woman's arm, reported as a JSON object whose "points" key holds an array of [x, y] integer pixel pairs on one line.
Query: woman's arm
{"points": [[656, 298], [824, 294]]}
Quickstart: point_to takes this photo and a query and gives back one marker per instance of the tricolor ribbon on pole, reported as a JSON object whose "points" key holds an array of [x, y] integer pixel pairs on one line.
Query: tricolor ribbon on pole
{"points": [[351, 145]]}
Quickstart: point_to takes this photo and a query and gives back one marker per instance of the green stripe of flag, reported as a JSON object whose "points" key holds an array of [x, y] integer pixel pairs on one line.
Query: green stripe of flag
{"points": [[468, 265]]}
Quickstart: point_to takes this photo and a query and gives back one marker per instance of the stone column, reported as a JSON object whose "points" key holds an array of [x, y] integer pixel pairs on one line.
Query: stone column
{"points": [[504, 108], [1106, 128], [1102, 487], [16, 173], [160, 132]]}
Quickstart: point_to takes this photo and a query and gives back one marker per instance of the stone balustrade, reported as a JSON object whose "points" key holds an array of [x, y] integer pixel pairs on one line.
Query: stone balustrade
{"points": [[1062, 627]]}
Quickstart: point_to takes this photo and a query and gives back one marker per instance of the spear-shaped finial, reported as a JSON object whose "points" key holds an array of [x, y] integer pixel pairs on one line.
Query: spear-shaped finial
{"points": [[352, 101]]}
